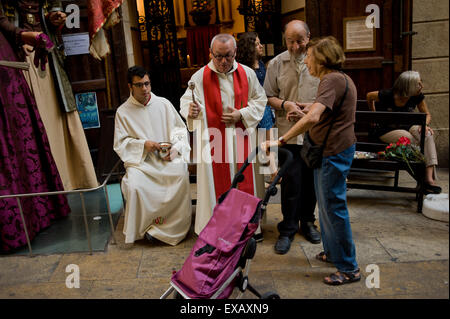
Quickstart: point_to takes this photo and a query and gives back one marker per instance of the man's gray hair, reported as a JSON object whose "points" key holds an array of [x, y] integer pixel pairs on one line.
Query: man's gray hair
{"points": [[223, 37], [300, 23], [407, 84]]}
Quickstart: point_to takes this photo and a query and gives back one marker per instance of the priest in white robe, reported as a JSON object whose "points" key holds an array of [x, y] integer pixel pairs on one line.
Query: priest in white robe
{"points": [[229, 102], [156, 188]]}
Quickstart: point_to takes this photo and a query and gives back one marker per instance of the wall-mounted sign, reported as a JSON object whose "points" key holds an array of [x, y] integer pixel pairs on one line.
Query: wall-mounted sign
{"points": [[88, 109], [76, 43], [357, 36]]}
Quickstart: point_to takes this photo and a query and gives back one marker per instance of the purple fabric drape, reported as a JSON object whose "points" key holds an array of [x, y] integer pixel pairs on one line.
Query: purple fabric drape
{"points": [[26, 163]]}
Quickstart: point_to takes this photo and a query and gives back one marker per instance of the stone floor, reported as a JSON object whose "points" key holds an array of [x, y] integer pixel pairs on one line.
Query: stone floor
{"points": [[410, 251]]}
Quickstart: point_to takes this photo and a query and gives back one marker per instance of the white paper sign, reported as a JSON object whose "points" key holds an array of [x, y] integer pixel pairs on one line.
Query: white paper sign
{"points": [[77, 43], [357, 36]]}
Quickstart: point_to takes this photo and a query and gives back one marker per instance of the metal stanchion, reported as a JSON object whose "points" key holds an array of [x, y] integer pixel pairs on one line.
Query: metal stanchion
{"points": [[86, 223], [109, 214], [24, 226]]}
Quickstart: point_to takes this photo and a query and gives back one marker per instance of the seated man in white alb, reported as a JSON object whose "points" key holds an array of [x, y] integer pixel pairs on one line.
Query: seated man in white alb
{"points": [[156, 188]]}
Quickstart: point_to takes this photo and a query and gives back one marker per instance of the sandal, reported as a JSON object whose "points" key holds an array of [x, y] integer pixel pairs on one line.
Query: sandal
{"points": [[323, 257], [340, 278]]}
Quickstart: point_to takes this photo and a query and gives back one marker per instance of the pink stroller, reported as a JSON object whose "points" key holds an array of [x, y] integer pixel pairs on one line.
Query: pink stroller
{"points": [[220, 259]]}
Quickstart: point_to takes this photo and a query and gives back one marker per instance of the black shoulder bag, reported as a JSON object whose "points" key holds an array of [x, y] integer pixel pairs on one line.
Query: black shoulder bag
{"points": [[312, 153]]}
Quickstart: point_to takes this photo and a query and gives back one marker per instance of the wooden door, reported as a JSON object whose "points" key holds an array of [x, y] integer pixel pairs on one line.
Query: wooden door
{"points": [[107, 78], [373, 69]]}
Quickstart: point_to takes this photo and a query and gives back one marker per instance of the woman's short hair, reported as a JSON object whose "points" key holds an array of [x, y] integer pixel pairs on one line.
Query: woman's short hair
{"points": [[246, 49], [327, 52], [407, 84]]}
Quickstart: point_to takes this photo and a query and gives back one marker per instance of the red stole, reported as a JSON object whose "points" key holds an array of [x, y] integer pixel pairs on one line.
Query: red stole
{"points": [[214, 110]]}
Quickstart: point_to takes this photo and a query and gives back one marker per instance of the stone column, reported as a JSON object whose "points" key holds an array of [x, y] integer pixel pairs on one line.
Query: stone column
{"points": [[178, 9], [225, 6], [129, 21], [430, 58]]}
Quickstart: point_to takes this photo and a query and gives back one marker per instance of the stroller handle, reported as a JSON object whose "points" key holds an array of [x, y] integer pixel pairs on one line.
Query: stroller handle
{"points": [[239, 177]]}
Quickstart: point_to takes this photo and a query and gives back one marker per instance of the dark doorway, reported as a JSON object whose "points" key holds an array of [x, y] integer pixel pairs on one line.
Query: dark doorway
{"points": [[161, 49]]}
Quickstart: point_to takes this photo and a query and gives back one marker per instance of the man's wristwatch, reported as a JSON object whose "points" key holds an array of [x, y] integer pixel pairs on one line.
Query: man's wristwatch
{"points": [[282, 141], [282, 104]]}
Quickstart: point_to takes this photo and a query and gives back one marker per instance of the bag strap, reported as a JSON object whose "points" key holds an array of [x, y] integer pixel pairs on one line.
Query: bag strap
{"points": [[335, 111]]}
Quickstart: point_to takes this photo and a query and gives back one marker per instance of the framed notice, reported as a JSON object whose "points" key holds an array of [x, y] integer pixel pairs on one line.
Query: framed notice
{"points": [[88, 109], [357, 36], [76, 43]]}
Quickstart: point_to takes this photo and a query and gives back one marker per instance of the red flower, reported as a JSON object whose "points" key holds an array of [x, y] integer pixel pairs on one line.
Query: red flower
{"points": [[403, 141], [403, 151]]}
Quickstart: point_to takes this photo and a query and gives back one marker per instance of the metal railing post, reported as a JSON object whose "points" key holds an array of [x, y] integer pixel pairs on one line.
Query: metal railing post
{"points": [[86, 223], [24, 226], [109, 214]]}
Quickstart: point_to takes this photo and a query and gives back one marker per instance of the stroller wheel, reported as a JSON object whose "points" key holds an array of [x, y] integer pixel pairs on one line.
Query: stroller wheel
{"points": [[270, 295], [243, 283]]}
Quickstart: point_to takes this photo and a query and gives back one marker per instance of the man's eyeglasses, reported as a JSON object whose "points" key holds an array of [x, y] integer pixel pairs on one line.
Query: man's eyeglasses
{"points": [[141, 84], [220, 57]]}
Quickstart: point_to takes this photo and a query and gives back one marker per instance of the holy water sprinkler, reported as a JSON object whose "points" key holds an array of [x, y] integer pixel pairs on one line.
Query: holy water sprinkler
{"points": [[191, 86]]}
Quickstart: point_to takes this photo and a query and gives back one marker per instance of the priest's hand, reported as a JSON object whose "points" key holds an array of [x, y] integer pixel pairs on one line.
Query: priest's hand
{"points": [[151, 146], [194, 110], [173, 154], [232, 116]]}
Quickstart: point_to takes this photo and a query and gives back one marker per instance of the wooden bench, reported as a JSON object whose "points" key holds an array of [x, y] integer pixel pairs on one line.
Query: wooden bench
{"points": [[367, 143]]}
